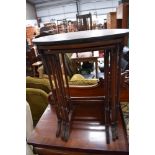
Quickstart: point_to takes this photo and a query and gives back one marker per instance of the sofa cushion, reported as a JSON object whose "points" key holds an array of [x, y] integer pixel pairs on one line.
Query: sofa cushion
{"points": [[77, 77], [38, 101], [83, 82], [79, 80], [33, 82]]}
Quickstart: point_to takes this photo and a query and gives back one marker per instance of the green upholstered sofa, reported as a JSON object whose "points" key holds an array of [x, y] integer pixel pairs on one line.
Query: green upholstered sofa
{"points": [[43, 82], [39, 83], [38, 101], [37, 91]]}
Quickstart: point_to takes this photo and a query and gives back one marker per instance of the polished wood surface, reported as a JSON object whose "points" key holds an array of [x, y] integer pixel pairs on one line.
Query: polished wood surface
{"points": [[85, 138], [98, 90], [80, 37]]}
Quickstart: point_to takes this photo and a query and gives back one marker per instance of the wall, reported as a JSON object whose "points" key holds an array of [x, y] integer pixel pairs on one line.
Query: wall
{"points": [[30, 15], [57, 10], [61, 9], [30, 12], [98, 8]]}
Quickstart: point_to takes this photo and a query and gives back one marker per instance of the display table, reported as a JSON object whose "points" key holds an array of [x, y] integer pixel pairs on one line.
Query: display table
{"points": [[84, 138], [52, 50]]}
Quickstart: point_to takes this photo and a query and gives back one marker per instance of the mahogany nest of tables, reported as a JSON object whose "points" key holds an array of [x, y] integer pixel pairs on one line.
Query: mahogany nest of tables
{"points": [[52, 49]]}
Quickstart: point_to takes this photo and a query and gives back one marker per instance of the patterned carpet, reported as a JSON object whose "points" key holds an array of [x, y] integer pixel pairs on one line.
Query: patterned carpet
{"points": [[125, 112]]}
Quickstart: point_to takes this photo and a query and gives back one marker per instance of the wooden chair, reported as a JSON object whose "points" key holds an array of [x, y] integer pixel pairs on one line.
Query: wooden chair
{"points": [[62, 26], [84, 22], [33, 61], [77, 58]]}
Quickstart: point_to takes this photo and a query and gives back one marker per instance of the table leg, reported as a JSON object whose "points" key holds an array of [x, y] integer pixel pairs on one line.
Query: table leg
{"points": [[57, 103], [106, 80], [119, 56], [113, 67], [96, 66], [54, 69]]}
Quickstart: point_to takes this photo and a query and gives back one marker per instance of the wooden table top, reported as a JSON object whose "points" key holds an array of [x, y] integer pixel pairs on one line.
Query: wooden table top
{"points": [[81, 36], [83, 137]]}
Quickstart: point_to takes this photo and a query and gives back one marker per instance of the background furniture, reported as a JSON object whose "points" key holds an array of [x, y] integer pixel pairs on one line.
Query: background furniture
{"points": [[38, 101], [35, 66], [37, 95], [30, 59], [92, 57], [111, 20], [30, 34], [80, 86], [72, 26], [62, 26], [122, 15], [34, 82], [84, 22], [123, 18]]}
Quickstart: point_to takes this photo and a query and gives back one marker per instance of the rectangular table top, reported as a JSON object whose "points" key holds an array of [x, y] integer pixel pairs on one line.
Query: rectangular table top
{"points": [[83, 137]]}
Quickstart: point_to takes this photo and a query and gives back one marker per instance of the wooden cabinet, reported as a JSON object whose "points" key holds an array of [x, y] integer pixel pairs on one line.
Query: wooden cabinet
{"points": [[122, 18], [111, 20], [122, 15]]}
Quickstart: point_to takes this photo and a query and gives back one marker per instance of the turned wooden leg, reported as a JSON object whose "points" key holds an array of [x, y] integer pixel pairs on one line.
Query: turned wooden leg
{"points": [[96, 68], [113, 77], [118, 82], [107, 112]]}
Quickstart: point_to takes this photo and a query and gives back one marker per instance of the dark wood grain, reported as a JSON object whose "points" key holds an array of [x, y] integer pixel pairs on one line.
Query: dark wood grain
{"points": [[99, 90], [80, 37]]}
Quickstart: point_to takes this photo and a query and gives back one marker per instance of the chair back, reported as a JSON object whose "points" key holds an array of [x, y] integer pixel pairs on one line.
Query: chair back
{"points": [[31, 56], [84, 22]]}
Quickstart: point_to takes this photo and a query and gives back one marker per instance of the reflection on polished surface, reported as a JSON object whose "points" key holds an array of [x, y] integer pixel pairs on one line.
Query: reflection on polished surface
{"points": [[97, 137], [82, 138]]}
